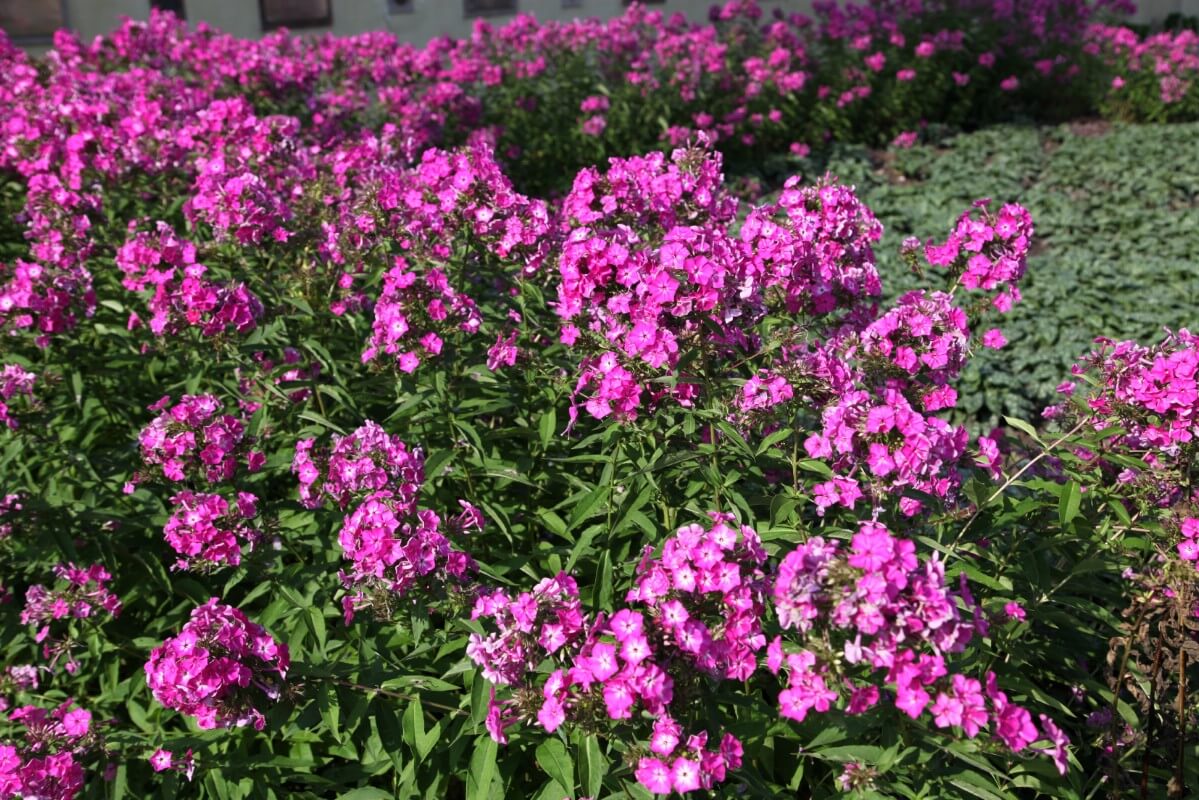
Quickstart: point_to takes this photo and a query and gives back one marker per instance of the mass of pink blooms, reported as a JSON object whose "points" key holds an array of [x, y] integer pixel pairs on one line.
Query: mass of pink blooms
{"points": [[381, 175], [888, 613], [1164, 65], [193, 440], [206, 529], [182, 296], [391, 543], [255, 178], [16, 388], [412, 314], [1162, 379], [47, 764], [1144, 401], [367, 460], [699, 607], [80, 593], [219, 668], [634, 303], [645, 266]]}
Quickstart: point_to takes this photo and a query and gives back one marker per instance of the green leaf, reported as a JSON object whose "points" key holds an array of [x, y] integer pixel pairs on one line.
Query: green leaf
{"points": [[480, 699], [120, 782], [867, 754], [553, 758], [592, 766], [482, 769], [587, 506], [552, 791], [601, 596], [971, 784], [327, 701], [1068, 502], [1021, 425], [366, 793], [770, 441], [316, 624], [547, 425], [414, 730]]}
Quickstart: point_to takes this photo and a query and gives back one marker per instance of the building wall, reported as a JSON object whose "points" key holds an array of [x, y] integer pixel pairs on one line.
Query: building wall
{"points": [[429, 18]]}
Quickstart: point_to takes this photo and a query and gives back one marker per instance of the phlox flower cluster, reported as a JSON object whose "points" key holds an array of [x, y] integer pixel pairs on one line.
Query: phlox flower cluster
{"points": [[686, 766], [875, 610], [454, 211], [454, 207], [393, 546], [698, 606], [814, 247], [527, 626], [10, 506], [53, 777], [705, 594], [45, 764], [1165, 64], [646, 268], [412, 315], [219, 668], [192, 439], [182, 297], [1154, 391], [763, 391], [630, 296], [44, 299], [15, 382], [1143, 402], [898, 446], [877, 379], [80, 593], [927, 339], [245, 184], [367, 460], [987, 251], [206, 530], [453, 197]]}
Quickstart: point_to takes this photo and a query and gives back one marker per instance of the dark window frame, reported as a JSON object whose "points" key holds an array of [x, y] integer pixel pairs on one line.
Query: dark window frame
{"points": [[469, 13], [317, 22], [176, 7], [42, 38]]}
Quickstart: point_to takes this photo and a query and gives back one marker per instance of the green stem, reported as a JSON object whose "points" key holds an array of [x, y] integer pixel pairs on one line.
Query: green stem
{"points": [[1015, 476]]}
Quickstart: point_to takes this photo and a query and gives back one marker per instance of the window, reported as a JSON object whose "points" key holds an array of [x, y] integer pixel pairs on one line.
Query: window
{"points": [[32, 19], [475, 8], [174, 6], [400, 6], [572, 3], [295, 13]]}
